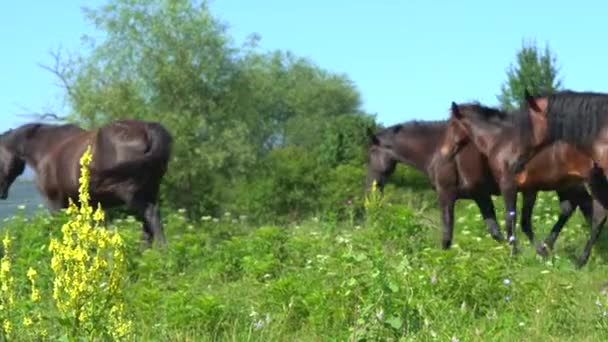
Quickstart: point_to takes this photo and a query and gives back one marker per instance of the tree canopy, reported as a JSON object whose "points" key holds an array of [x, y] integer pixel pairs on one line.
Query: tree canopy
{"points": [[227, 106], [535, 70]]}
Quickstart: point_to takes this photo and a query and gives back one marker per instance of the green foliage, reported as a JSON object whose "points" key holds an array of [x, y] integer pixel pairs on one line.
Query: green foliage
{"points": [[534, 70], [294, 181], [386, 279], [227, 106]]}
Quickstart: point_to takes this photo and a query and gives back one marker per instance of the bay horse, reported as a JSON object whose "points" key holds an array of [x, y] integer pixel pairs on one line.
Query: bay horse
{"points": [[130, 158], [466, 176], [555, 166]]}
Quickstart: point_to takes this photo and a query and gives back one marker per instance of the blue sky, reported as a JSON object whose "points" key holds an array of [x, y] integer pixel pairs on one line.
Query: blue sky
{"points": [[409, 59]]}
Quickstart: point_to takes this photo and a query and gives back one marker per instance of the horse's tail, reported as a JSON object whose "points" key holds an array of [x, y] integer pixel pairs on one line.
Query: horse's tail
{"points": [[154, 160]]}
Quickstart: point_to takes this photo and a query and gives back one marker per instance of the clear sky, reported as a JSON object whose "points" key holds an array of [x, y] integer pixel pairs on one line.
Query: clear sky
{"points": [[409, 59]]}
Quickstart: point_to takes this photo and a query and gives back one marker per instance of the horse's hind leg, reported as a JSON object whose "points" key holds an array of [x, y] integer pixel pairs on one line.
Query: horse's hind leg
{"points": [[567, 205], [149, 214], [152, 216], [599, 187], [590, 208], [529, 199], [486, 208]]}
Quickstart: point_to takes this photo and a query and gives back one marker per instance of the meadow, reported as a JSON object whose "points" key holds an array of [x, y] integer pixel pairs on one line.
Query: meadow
{"points": [[270, 235], [381, 276]]}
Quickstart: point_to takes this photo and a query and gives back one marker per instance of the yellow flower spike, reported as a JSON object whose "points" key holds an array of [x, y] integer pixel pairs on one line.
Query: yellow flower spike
{"points": [[84, 260], [6, 241], [7, 290]]}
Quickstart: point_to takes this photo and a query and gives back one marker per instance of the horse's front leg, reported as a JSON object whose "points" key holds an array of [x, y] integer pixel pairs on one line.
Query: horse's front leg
{"points": [[447, 200], [529, 199], [486, 208], [509, 194]]}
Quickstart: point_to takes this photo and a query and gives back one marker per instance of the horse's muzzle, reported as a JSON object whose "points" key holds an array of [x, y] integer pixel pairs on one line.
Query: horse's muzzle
{"points": [[518, 165], [3, 191]]}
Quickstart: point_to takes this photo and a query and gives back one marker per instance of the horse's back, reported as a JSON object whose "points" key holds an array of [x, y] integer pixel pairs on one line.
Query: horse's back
{"points": [[124, 140]]}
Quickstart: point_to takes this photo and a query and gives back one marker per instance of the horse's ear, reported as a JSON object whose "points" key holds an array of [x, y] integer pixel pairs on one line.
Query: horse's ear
{"points": [[372, 137], [32, 130], [537, 105], [456, 111], [536, 111]]}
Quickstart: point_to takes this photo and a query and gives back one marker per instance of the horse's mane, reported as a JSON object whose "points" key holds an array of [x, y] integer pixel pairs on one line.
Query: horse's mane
{"points": [[576, 117], [486, 113], [419, 126], [16, 136]]}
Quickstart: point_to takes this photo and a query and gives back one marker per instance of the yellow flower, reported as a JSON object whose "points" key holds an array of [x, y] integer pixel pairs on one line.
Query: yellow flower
{"points": [[31, 273], [7, 326], [5, 266], [6, 241], [35, 295], [99, 214], [27, 321]]}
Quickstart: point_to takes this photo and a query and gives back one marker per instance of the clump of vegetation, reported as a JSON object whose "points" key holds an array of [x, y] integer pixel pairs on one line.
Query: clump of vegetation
{"points": [[88, 272]]}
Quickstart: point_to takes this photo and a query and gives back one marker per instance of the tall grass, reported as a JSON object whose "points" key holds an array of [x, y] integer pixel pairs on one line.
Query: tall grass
{"points": [[384, 278]]}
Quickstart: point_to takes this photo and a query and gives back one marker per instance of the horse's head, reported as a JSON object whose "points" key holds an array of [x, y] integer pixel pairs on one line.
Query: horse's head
{"points": [[532, 127], [380, 161], [456, 134], [11, 166], [493, 131]]}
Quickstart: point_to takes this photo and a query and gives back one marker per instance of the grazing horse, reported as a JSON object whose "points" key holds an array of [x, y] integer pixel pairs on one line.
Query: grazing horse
{"points": [[466, 176], [557, 166], [130, 157]]}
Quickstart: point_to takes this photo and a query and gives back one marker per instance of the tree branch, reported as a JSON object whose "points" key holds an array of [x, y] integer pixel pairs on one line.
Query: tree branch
{"points": [[61, 72]]}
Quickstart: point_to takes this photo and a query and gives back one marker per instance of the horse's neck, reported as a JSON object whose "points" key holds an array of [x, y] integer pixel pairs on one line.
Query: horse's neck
{"points": [[419, 151], [33, 153], [41, 147]]}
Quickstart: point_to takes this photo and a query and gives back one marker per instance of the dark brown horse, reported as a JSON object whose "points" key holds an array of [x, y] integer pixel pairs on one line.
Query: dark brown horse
{"points": [[466, 176], [556, 166], [130, 157]]}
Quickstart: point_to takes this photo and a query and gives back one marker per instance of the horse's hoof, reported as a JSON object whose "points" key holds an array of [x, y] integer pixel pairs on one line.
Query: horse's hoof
{"points": [[446, 244], [498, 236], [580, 262], [514, 250], [542, 249]]}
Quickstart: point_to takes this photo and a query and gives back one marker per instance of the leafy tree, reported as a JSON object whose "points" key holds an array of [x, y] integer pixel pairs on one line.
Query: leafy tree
{"points": [[535, 70], [228, 107]]}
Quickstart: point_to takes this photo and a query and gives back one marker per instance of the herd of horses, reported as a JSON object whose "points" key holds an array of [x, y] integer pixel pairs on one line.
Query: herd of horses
{"points": [[552, 142]]}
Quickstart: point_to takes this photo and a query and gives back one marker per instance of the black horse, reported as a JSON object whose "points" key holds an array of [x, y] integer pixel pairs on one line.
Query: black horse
{"points": [[130, 158]]}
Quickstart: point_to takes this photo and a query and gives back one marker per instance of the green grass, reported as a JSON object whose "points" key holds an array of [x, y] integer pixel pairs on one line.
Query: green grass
{"points": [[382, 279]]}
